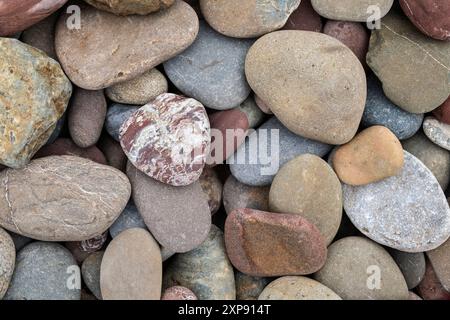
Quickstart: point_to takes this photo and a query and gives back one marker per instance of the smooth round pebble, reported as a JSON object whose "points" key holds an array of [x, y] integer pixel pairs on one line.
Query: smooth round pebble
{"points": [[352, 10], [178, 293], [90, 271], [304, 18], [439, 259], [438, 132]]}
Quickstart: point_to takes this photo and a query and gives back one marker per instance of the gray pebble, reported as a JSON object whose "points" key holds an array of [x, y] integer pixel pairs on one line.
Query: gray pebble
{"points": [[412, 265], [90, 270], [117, 114], [129, 218]]}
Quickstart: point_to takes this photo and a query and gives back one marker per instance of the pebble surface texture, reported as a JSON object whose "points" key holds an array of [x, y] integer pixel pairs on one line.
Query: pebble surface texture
{"points": [[128, 7], [90, 270], [439, 260], [351, 262], [409, 213], [131, 267], [129, 218], [247, 19], [205, 270], [41, 273], [432, 17], [16, 16], [116, 115], [297, 288], [34, 95], [62, 198], [438, 132], [351, 10], [312, 82], [178, 293], [398, 52], [119, 57], [273, 244], [168, 139], [7, 260], [211, 70]]}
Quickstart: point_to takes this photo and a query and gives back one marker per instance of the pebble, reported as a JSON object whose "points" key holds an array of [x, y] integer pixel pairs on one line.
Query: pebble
{"points": [[171, 31], [19, 241], [205, 270], [42, 35], [66, 147], [304, 18], [7, 260], [297, 288], [16, 16], [249, 287], [253, 113], [94, 244], [62, 198], [438, 132], [116, 115], [212, 187], [86, 117], [412, 265], [268, 244], [413, 296], [352, 10], [178, 217], [247, 19], [372, 155], [429, 16], [356, 266], [128, 219], [409, 212], [237, 195], [128, 7], [439, 259], [131, 267], [307, 186], [297, 90], [443, 112], [178, 293], [262, 105], [433, 157], [114, 155], [430, 288], [381, 111], [398, 52], [90, 270], [139, 90], [168, 139], [282, 146], [211, 70], [43, 272], [35, 93]]}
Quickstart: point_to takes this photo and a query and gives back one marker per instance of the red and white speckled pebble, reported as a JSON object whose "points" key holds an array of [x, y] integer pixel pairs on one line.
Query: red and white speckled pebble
{"points": [[168, 139]]}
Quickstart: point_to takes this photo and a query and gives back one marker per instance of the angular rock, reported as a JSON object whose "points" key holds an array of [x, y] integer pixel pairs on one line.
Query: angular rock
{"points": [[128, 7], [90, 270], [351, 10], [438, 132], [7, 261]]}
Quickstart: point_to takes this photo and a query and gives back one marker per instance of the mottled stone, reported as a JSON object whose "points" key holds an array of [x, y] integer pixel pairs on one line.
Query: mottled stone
{"points": [[90, 270], [304, 18], [178, 293], [381, 111], [409, 213], [297, 288], [282, 146], [16, 16], [438, 132], [62, 198], [352, 267], [433, 157], [178, 217], [35, 93], [273, 244], [352, 10], [94, 244], [296, 78], [139, 90], [168, 139], [430, 288], [432, 17], [372, 155], [128, 219], [247, 19], [211, 70], [237, 195], [42, 273], [7, 260], [112, 40], [131, 267], [115, 157], [42, 35], [398, 52], [443, 112], [249, 287], [412, 265], [308, 187], [212, 187], [205, 270], [116, 115], [128, 7], [86, 116], [439, 259]]}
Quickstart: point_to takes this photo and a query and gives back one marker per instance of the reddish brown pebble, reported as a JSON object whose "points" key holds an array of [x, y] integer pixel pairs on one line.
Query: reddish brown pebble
{"points": [[443, 112], [304, 18], [263, 244], [17, 15], [430, 288], [178, 293], [66, 147]]}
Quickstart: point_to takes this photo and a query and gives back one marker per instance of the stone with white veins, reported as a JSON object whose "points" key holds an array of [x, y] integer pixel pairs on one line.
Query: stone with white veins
{"points": [[168, 139], [408, 212], [438, 132]]}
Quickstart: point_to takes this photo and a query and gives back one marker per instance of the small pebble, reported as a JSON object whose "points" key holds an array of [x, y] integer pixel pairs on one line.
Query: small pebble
{"points": [[116, 115], [90, 270], [351, 10], [438, 132], [128, 7], [431, 288], [178, 293], [304, 18], [412, 266], [249, 287]]}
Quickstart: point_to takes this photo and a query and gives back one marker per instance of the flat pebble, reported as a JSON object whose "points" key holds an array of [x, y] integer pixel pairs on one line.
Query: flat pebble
{"points": [[116, 115], [352, 10], [7, 260], [128, 219], [90, 271], [438, 132]]}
